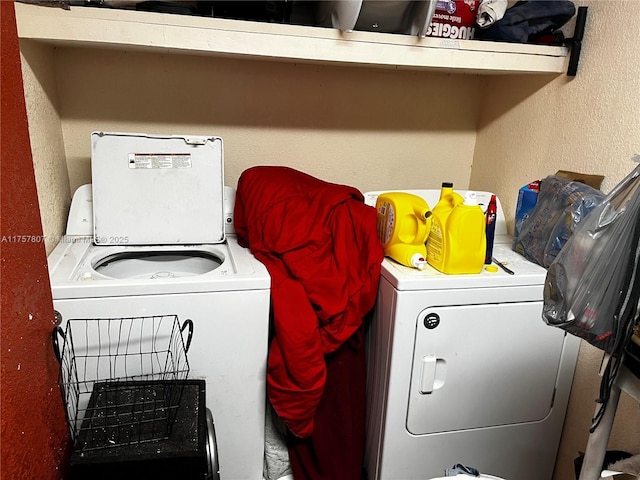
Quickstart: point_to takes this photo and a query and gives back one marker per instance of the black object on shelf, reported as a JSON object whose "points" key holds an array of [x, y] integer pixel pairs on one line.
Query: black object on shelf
{"points": [[275, 11]]}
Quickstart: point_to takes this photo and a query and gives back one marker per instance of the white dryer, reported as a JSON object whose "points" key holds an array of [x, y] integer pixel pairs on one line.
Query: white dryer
{"points": [[220, 286], [462, 369]]}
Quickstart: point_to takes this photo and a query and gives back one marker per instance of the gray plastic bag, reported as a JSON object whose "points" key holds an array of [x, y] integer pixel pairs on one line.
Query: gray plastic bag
{"points": [[589, 286], [592, 288]]}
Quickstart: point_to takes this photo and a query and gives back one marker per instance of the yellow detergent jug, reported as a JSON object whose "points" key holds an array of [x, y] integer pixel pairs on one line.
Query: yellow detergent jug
{"points": [[457, 242], [436, 242], [404, 223]]}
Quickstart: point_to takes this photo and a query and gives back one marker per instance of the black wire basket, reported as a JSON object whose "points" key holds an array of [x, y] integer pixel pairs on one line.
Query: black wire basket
{"points": [[121, 378]]}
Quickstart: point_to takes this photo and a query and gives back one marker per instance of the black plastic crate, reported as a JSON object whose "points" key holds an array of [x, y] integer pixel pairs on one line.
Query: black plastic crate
{"points": [[183, 454]]}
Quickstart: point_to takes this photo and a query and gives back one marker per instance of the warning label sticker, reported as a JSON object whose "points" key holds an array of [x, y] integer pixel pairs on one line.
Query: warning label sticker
{"points": [[159, 160]]}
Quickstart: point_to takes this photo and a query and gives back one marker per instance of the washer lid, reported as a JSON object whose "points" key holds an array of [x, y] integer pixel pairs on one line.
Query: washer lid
{"points": [[156, 189]]}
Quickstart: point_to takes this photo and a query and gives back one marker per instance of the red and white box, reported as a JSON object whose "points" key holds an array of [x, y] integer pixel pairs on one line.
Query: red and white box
{"points": [[454, 19]]}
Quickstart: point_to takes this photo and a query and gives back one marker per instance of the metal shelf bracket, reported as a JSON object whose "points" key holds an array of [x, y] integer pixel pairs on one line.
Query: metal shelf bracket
{"points": [[575, 42]]}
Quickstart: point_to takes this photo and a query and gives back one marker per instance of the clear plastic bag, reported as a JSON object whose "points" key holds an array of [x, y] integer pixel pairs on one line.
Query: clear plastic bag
{"points": [[561, 206], [589, 286], [592, 288]]}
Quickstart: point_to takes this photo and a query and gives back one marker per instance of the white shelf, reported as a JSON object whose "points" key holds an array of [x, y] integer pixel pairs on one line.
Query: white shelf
{"points": [[156, 32]]}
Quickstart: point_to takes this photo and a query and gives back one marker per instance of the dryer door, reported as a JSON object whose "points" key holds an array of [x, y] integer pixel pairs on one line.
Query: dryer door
{"points": [[478, 366]]}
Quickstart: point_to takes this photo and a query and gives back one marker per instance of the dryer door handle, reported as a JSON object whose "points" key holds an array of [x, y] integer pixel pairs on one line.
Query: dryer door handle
{"points": [[432, 373]]}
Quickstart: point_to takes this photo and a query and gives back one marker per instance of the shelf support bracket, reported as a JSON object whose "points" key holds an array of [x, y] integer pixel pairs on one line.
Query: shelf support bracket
{"points": [[575, 42]]}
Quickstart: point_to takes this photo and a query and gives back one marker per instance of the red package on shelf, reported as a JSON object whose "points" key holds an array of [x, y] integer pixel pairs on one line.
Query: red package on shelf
{"points": [[455, 19]]}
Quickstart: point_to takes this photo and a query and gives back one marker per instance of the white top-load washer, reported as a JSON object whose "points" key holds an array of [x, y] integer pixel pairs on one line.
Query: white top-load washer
{"points": [[148, 238], [462, 369]]}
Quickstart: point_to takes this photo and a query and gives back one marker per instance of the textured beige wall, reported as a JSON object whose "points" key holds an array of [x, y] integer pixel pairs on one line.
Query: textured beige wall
{"points": [[528, 129], [41, 97], [368, 128]]}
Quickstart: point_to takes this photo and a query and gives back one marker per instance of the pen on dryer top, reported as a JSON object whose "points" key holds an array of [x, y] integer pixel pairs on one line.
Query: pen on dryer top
{"points": [[502, 266]]}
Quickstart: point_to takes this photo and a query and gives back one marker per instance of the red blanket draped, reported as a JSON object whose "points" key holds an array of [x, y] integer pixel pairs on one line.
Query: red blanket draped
{"points": [[319, 243]]}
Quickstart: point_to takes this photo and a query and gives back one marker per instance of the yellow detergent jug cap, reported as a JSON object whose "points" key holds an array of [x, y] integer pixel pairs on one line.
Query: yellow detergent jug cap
{"points": [[491, 268]]}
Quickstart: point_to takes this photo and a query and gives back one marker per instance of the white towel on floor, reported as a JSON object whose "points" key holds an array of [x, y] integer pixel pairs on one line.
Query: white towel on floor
{"points": [[276, 454]]}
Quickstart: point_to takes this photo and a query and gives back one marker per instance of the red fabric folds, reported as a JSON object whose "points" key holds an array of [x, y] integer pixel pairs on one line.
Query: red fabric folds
{"points": [[335, 449], [319, 243]]}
